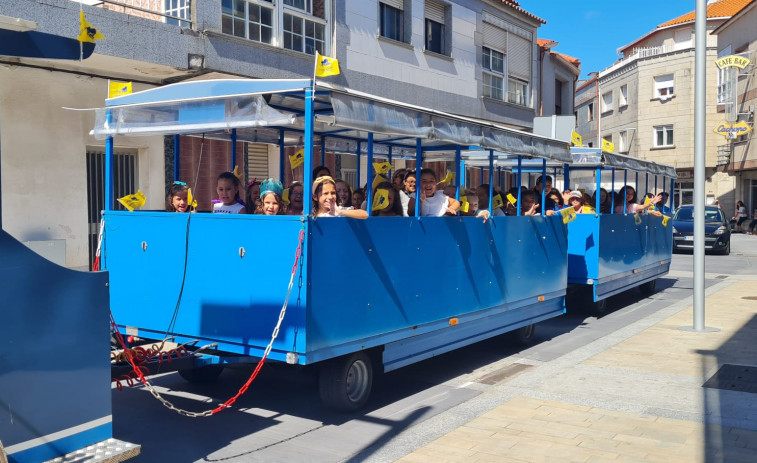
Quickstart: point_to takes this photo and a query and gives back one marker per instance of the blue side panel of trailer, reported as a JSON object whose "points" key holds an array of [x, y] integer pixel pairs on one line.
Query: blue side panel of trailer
{"points": [[53, 356]]}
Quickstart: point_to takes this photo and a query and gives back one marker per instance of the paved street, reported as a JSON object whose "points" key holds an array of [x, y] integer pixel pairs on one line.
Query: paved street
{"points": [[624, 387]]}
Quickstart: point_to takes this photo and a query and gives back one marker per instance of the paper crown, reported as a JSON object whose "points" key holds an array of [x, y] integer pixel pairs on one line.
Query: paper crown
{"points": [[271, 185]]}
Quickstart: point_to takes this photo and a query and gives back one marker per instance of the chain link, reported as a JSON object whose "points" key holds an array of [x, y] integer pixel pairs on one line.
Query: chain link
{"points": [[259, 365]]}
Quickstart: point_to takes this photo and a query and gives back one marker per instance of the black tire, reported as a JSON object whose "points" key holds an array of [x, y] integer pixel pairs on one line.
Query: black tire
{"points": [[649, 287], [523, 336], [727, 250], [345, 383], [599, 307], [201, 375]]}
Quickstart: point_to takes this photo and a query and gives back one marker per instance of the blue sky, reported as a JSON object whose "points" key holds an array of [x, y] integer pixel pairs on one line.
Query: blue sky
{"points": [[593, 30]]}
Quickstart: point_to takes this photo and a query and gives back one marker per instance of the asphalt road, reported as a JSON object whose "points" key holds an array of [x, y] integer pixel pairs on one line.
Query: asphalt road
{"points": [[281, 418]]}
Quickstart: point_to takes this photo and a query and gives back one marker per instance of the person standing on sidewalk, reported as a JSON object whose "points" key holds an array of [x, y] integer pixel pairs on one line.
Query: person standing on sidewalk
{"points": [[740, 216]]}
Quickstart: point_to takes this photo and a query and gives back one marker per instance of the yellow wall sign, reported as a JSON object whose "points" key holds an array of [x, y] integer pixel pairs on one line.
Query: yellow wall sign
{"points": [[732, 60], [738, 129]]}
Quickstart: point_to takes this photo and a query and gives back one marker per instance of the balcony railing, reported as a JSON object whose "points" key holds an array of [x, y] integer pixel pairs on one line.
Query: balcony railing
{"points": [[168, 11], [640, 53]]}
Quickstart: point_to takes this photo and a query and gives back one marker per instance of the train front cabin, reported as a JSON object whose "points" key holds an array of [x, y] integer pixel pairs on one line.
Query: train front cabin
{"points": [[374, 294]]}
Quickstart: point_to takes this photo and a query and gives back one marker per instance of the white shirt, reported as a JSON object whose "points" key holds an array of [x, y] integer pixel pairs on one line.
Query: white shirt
{"points": [[221, 208], [405, 199], [435, 206]]}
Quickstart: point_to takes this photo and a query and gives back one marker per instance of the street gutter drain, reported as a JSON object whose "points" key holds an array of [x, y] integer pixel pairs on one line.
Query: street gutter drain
{"points": [[742, 378]]}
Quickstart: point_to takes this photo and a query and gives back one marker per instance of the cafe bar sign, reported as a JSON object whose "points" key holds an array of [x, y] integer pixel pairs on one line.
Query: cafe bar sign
{"points": [[732, 60], [731, 131]]}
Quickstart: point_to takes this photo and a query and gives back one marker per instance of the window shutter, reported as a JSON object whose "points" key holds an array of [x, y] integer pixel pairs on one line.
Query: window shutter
{"points": [[494, 37], [257, 161], [519, 57], [399, 4], [435, 11]]}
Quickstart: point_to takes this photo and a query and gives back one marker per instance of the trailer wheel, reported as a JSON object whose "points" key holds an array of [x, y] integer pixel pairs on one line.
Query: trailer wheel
{"points": [[599, 307], [523, 336], [201, 375], [648, 288], [345, 383]]}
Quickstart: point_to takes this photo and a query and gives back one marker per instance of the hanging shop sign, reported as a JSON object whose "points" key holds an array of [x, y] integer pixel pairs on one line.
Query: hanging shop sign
{"points": [[732, 130], [732, 60]]}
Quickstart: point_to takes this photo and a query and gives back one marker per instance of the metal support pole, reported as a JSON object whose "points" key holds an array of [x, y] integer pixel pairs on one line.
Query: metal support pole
{"points": [[625, 192], [458, 171], [612, 192], [282, 150], [369, 189], [233, 148], [176, 157], [491, 181], [108, 167], [390, 173], [418, 163], [543, 186], [672, 192], [520, 169], [357, 159], [597, 194], [566, 177], [646, 182], [307, 175]]}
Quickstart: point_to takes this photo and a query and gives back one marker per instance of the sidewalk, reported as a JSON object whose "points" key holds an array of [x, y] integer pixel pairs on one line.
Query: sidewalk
{"points": [[634, 396]]}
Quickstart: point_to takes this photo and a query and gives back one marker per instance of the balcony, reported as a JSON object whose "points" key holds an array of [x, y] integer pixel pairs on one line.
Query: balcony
{"points": [[640, 53], [167, 11]]}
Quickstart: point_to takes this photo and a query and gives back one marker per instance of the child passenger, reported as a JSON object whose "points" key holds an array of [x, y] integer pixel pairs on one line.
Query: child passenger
{"points": [[295, 199], [343, 194], [395, 205], [473, 207], [227, 187], [434, 203], [324, 201], [270, 202], [176, 198], [252, 196]]}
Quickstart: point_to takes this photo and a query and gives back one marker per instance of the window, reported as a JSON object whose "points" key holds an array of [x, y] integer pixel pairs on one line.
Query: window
{"points": [[303, 35], [591, 112], [663, 136], [392, 21], [623, 96], [575, 116], [517, 91], [663, 86], [253, 21], [623, 142], [723, 78], [558, 98], [606, 102], [177, 8], [493, 63], [435, 30]]}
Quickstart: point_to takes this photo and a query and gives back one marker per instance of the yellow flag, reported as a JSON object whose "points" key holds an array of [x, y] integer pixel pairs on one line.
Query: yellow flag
{"points": [[285, 196], [297, 159], [608, 146], [325, 66], [134, 201], [87, 32], [382, 167], [646, 200], [511, 199], [190, 199], [568, 214], [448, 178], [587, 210], [665, 219], [497, 201], [377, 181], [380, 199], [116, 88], [637, 219], [464, 204], [576, 139], [236, 173]]}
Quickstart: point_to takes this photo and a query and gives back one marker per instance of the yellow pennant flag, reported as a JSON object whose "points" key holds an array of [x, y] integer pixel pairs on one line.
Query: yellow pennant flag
{"points": [[190, 199], [576, 139], [116, 88], [285, 196], [637, 219], [587, 210], [380, 199], [236, 173], [464, 204], [608, 146], [511, 199], [87, 32], [134, 201], [448, 178], [382, 167], [325, 66], [497, 201], [568, 214], [665, 219], [377, 181], [297, 159]]}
